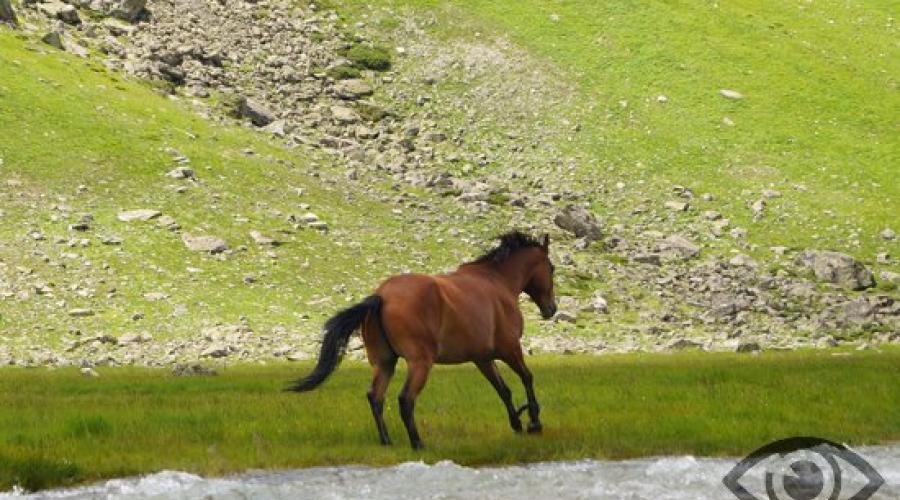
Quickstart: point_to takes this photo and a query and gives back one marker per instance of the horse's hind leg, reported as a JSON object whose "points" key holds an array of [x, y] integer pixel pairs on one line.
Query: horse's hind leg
{"points": [[415, 382], [516, 361], [490, 372], [383, 372]]}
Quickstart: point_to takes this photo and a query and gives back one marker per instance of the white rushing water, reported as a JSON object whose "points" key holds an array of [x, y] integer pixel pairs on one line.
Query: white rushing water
{"points": [[661, 478]]}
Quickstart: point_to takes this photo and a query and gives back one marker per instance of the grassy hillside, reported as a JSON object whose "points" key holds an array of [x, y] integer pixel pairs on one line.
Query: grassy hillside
{"points": [[76, 139], [59, 428], [817, 121]]}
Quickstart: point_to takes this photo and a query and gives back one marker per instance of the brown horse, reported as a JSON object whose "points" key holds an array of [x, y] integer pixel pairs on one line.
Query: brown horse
{"points": [[471, 314]]}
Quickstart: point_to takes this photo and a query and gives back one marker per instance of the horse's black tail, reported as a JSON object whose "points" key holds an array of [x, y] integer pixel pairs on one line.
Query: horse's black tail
{"points": [[337, 334]]}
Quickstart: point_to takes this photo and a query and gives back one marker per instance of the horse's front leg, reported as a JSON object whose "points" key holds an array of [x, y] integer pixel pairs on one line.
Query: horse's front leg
{"points": [[516, 361], [490, 372]]}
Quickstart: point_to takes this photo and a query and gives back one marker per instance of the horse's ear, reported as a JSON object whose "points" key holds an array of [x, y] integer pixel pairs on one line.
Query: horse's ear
{"points": [[546, 242]]}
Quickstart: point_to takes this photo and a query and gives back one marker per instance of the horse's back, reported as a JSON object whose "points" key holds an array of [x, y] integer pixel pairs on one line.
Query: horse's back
{"points": [[449, 318]]}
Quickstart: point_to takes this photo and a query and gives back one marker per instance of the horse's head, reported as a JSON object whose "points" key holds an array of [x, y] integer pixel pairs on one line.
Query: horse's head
{"points": [[540, 286]]}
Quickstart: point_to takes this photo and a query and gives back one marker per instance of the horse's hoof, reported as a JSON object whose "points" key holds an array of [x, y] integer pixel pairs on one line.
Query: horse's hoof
{"points": [[535, 427], [417, 445], [386, 443], [516, 427]]}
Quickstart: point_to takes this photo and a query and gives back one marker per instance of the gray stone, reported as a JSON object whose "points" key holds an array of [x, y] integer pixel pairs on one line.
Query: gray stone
{"points": [[138, 215], [748, 346], [54, 39], [155, 296], [209, 244], [731, 94], [343, 114], [742, 260], [677, 206], [62, 11], [682, 343], [677, 247], [7, 14], [81, 312], [181, 173], [134, 338], [352, 89], [888, 234], [258, 114], [216, 351], [261, 239], [192, 370], [565, 316], [597, 304], [578, 220], [277, 128], [127, 10], [834, 267], [89, 372]]}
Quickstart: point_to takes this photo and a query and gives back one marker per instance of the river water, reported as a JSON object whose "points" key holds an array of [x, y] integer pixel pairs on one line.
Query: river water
{"points": [[659, 478]]}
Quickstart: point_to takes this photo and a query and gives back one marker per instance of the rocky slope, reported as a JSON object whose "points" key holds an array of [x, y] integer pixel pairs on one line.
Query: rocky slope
{"points": [[481, 127]]}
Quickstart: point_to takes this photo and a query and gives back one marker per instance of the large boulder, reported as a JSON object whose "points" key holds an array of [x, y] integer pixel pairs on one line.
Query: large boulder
{"points": [[579, 221], [258, 114], [837, 268], [7, 14], [127, 10], [62, 11]]}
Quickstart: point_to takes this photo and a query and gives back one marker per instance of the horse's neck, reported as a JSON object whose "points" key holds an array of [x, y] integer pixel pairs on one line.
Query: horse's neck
{"points": [[516, 271]]}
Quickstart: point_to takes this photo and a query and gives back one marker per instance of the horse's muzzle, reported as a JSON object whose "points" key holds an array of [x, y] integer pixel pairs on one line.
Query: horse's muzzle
{"points": [[548, 311]]}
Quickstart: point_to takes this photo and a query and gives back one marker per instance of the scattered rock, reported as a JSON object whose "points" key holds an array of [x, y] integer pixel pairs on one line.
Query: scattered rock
{"points": [[134, 338], [888, 234], [261, 239], [565, 316], [111, 240], [838, 268], [192, 370], [87, 371], [138, 215], [741, 260], [278, 128], [54, 39], [81, 312], [731, 94], [155, 296], [352, 89], [679, 344], [597, 304], [578, 220], [216, 351], [181, 173], [677, 206], [748, 346], [677, 247], [343, 114], [209, 244]]}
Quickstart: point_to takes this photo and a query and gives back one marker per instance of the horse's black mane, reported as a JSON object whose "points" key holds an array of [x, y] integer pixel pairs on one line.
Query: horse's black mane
{"points": [[509, 243]]}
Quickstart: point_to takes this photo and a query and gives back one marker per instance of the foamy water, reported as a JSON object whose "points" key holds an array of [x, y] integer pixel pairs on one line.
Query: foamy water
{"points": [[661, 478]]}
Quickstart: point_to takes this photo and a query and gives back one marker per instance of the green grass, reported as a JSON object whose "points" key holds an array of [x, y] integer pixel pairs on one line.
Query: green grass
{"points": [[59, 428], [818, 121]]}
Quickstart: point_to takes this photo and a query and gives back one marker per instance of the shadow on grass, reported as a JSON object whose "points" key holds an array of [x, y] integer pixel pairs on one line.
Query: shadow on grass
{"points": [[37, 473]]}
